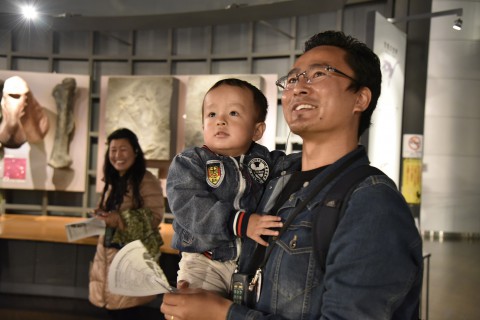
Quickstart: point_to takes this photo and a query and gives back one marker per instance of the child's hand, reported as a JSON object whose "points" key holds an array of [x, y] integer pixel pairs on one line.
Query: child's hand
{"points": [[259, 225]]}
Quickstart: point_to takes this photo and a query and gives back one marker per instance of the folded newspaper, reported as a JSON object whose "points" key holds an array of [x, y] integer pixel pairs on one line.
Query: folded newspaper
{"points": [[84, 229], [134, 272]]}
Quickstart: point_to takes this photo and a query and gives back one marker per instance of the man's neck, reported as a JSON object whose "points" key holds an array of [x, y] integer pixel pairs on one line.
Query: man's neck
{"points": [[316, 154]]}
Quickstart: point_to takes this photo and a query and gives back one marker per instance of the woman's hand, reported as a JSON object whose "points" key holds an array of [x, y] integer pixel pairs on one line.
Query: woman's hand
{"points": [[112, 218], [194, 304]]}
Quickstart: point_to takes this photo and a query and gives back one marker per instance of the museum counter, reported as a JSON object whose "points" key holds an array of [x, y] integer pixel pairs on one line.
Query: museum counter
{"points": [[37, 259]]}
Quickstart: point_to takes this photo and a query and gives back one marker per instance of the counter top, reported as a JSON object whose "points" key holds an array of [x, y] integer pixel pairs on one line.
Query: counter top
{"points": [[52, 229]]}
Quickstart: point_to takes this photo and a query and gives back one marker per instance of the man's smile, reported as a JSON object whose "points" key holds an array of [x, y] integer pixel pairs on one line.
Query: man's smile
{"points": [[303, 107]]}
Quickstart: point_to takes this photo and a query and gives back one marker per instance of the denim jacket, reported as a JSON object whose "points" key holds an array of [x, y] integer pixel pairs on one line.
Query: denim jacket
{"points": [[373, 266], [212, 196]]}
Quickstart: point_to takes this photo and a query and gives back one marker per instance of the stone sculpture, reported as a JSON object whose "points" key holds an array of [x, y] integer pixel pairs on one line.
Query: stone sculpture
{"points": [[22, 117], [64, 94]]}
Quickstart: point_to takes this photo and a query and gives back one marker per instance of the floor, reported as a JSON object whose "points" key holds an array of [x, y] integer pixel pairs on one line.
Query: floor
{"points": [[454, 290], [454, 279], [21, 307]]}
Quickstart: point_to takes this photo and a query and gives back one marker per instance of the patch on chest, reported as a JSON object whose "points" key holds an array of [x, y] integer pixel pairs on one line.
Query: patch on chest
{"points": [[214, 173], [259, 169]]}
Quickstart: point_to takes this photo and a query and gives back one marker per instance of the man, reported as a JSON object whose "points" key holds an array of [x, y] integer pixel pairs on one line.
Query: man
{"points": [[374, 263]]}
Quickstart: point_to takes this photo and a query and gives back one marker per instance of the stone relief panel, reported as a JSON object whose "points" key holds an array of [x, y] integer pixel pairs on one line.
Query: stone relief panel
{"points": [[144, 105]]}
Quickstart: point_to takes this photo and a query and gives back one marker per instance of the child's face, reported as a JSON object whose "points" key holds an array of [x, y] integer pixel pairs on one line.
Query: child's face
{"points": [[230, 120]]}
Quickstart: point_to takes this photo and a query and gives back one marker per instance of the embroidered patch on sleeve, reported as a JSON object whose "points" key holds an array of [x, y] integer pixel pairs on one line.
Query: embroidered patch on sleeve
{"points": [[259, 169], [215, 173]]}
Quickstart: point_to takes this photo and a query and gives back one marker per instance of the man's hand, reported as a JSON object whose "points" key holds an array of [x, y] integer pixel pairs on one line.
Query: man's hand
{"points": [[194, 304], [259, 225]]}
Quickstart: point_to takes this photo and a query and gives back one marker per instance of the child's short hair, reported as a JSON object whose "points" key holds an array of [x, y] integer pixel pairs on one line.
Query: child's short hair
{"points": [[259, 98]]}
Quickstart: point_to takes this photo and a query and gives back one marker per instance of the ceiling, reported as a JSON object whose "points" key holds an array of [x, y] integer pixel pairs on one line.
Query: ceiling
{"points": [[109, 15]]}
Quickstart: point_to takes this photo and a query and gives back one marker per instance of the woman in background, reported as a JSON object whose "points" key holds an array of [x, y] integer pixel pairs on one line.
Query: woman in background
{"points": [[132, 206]]}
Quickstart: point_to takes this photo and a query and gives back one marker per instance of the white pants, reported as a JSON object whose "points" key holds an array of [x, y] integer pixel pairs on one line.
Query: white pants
{"points": [[202, 272]]}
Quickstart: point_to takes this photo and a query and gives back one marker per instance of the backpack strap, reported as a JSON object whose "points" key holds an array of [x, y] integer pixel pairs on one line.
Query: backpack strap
{"points": [[331, 211]]}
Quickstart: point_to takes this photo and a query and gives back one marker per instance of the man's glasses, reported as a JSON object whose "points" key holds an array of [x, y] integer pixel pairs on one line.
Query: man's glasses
{"points": [[312, 76]]}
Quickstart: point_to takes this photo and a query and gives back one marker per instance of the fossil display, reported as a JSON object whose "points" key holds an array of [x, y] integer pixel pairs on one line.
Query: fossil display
{"points": [[23, 118], [64, 94]]}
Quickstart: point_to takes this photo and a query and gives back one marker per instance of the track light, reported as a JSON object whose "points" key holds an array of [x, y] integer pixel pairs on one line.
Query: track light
{"points": [[457, 25]]}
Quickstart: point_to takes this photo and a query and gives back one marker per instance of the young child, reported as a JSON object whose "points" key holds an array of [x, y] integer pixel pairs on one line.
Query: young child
{"points": [[213, 190]]}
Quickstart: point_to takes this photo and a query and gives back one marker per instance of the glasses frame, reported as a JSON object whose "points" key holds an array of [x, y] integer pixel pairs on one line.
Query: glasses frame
{"points": [[328, 68]]}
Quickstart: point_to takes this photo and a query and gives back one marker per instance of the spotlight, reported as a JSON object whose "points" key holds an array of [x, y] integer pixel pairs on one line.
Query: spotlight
{"points": [[29, 12], [457, 25]]}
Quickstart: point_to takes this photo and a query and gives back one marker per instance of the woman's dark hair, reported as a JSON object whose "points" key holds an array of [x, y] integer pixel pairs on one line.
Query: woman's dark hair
{"points": [[364, 63], [119, 184], [259, 98]]}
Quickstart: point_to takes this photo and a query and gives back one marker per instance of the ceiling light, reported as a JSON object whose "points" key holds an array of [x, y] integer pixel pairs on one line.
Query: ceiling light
{"points": [[457, 25], [29, 12]]}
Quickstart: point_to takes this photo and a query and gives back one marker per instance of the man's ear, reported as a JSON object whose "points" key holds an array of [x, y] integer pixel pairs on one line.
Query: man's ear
{"points": [[364, 96], [259, 130]]}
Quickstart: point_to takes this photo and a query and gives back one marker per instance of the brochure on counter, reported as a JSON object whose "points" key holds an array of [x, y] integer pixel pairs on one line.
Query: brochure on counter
{"points": [[134, 272], [84, 229]]}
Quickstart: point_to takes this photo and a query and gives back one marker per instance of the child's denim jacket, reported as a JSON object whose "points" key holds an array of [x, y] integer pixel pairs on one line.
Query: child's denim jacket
{"points": [[212, 196]]}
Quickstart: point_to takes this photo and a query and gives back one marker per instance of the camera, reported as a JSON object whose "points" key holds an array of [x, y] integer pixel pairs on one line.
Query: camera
{"points": [[241, 294]]}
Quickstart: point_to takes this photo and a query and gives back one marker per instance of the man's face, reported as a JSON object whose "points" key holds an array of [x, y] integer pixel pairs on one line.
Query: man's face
{"points": [[326, 106]]}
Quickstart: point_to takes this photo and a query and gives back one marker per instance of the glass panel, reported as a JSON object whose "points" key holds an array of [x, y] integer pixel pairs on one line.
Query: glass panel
{"points": [[106, 68], [190, 67], [34, 65], [95, 115], [31, 39], [354, 19], [190, 41], [279, 66], [112, 43], [152, 43], [231, 39], [230, 66], [4, 41], [72, 42], [312, 24], [272, 36], [71, 66], [3, 63], [93, 154], [150, 68], [24, 196], [93, 196], [59, 198]]}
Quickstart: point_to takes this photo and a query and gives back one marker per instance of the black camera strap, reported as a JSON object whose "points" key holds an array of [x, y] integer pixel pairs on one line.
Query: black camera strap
{"points": [[299, 209]]}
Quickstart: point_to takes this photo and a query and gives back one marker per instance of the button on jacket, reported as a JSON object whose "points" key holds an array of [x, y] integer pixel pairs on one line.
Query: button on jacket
{"points": [[373, 266], [212, 196]]}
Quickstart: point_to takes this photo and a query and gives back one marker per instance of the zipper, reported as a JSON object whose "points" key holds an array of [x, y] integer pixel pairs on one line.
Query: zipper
{"points": [[242, 182]]}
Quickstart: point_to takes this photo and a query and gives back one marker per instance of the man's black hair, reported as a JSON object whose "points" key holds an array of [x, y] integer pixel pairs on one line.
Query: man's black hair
{"points": [[364, 63]]}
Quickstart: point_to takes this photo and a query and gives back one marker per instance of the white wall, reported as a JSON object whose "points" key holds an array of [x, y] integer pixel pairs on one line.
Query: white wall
{"points": [[451, 175]]}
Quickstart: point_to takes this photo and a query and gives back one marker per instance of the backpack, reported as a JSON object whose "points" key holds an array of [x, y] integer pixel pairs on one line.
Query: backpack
{"points": [[330, 213]]}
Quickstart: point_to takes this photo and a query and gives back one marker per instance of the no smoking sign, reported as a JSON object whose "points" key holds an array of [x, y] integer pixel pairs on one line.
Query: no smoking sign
{"points": [[412, 146]]}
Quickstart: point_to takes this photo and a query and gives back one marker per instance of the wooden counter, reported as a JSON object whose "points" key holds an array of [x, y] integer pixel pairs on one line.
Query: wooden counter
{"points": [[52, 229]]}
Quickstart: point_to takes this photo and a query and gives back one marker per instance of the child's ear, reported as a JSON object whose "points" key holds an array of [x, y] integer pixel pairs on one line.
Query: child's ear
{"points": [[259, 130], [364, 96]]}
